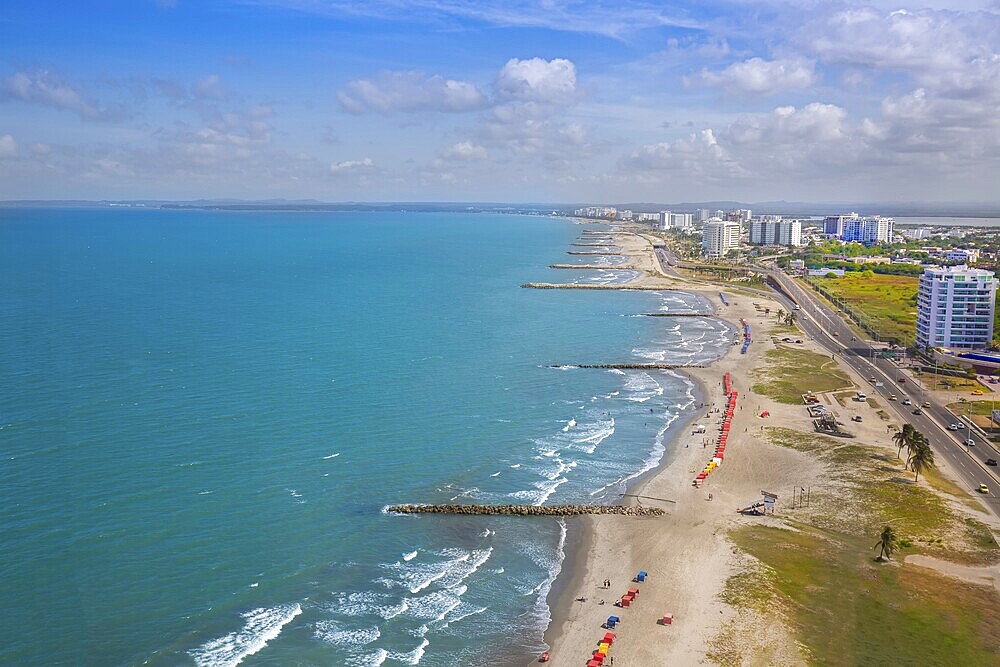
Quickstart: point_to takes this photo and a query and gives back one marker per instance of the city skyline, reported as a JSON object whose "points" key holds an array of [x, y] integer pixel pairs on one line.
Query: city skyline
{"points": [[421, 100]]}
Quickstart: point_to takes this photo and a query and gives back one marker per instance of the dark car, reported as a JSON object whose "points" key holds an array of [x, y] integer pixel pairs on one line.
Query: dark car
{"points": [[991, 462], [918, 411]]}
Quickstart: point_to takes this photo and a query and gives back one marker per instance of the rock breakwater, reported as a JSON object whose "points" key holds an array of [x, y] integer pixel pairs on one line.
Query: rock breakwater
{"points": [[527, 510]]}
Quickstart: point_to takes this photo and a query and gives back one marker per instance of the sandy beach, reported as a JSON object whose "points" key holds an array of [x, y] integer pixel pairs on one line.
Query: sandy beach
{"points": [[686, 554]]}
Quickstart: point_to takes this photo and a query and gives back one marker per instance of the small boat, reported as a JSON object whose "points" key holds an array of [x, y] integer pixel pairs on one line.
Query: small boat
{"points": [[544, 657]]}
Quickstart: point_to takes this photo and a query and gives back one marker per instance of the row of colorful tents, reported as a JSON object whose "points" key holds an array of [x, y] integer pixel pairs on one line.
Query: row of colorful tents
{"points": [[746, 336], [727, 419]]}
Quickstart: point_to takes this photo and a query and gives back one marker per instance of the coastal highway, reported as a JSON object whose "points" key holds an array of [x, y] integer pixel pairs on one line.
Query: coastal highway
{"points": [[821, 323]]}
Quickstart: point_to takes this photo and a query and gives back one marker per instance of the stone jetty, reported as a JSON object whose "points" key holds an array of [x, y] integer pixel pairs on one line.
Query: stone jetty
{"points": [[627, 286], [591, 266], [527, 510], [592, 252]]}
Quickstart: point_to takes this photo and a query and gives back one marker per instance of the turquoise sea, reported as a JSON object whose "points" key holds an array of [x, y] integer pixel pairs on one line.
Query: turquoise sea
{"points": [[203, 415]]}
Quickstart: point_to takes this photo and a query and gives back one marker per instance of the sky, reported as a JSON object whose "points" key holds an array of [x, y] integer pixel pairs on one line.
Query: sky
{"points": [[507, 100]]}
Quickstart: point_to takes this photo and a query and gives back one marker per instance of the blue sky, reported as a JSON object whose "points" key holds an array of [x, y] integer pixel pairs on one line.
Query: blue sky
{"points": [[557, 100]]}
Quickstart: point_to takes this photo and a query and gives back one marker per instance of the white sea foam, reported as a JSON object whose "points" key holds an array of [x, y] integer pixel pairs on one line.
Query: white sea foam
{"points": [[260, 626], [331, 632], [410, 556], [516, 465], [331, 456], [496, 474]]}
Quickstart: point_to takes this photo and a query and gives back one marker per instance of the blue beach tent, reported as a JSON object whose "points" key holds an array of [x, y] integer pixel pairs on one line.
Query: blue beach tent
{"points": [[641, 576]]}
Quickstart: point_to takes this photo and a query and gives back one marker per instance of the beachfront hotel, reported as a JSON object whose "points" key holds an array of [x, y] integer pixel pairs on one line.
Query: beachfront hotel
{"points": [[955, 307], [718, 237]]}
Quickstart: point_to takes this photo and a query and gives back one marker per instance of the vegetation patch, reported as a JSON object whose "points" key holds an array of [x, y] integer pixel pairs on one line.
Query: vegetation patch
{"points": [[886, 302], [789, 373], [849, 610]]}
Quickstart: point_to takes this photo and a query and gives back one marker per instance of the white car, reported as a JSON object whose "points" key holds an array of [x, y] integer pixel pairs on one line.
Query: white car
{"points": [[960, 425], [907, 401], [970, 443], [952, 427]]}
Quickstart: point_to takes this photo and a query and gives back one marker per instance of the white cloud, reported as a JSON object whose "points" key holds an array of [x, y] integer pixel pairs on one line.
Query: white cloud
{"points": [[8, 147], [44, 88], [813, 123], [699, 155], [391, 92], [537, 80], [611, 18], [759, 76], [466, 151], [210, 88], [348, 166]]}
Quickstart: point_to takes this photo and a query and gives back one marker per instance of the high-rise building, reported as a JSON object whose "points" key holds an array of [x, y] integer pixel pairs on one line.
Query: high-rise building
{"points": [[664, 219], [718, 237], [681, 220], [869, 229], [702, 214], [834, 224], [773, 230], [955, 307]]}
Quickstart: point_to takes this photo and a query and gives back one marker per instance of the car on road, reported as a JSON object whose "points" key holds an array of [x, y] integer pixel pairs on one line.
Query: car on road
{"points": [[901, 380], [991, 462], [977, 392], [880, 384], [927, 404], [983, 488], [970, 443], [836, 333], [907, 401], [952, 427], [872, 379], [918, 411], [960, 425], [892, 397], [796, 307]]}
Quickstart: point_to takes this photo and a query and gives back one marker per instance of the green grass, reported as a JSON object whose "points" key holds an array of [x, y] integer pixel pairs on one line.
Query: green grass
{"points": [[790, 372], [888, 302], [948, 382], [978, 407], [849, 610]]}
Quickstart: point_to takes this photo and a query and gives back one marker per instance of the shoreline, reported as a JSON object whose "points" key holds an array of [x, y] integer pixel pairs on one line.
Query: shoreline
{"points": [[685, 552], [579, 557]]}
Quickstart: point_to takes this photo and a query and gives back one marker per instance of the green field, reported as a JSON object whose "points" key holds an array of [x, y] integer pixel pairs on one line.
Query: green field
{"points": [[790, 373], [887, 303], [844, 607]]}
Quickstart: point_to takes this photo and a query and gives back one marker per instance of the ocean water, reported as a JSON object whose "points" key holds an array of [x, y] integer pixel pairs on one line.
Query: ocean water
{"points": [[203, 415]]}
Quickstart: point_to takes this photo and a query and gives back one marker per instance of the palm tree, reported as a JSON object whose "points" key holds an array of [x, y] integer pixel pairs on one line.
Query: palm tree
{"points": [[916, 441], [903, 437], [921, 459], [886, 544], [780, 313], [790, 319]]}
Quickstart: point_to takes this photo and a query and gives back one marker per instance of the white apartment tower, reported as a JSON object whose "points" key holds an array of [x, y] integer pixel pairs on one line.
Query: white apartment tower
{"points": [[955, 307], [718, 237], [868, 229], [664, 219], [773, 230]]}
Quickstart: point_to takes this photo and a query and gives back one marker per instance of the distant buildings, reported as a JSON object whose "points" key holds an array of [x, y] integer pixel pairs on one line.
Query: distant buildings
{"points": [[718, 237], [955, 307], [863, 229], [773, 230], [737, 215], [602, 212], [963, 255], [834, 224], [701, 214]]}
